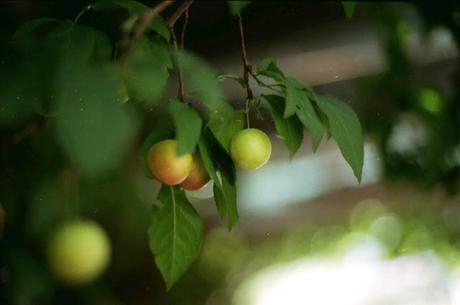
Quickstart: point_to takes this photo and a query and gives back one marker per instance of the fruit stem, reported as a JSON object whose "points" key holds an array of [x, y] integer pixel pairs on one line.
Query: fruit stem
{"points": [[82, 12]]}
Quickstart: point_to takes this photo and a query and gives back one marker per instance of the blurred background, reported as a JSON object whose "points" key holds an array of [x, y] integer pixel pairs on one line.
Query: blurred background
{"points": [[308, 232]]}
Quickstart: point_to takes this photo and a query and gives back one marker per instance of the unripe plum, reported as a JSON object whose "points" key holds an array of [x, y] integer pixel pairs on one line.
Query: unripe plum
{"points": [[250, 148]]}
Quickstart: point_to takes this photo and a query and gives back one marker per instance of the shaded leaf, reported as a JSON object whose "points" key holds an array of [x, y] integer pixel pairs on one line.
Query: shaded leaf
{"points": [[155, 136], [226, 199], [146, 70], [207, 159], [290, 129], [93, 127], [237, 6], [26, 35], [188, 125], [268, 67], [175, 234], [346, 129]]}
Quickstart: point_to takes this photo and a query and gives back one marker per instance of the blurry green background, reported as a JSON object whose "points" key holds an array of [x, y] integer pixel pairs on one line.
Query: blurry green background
{"points": [[308, 233]]}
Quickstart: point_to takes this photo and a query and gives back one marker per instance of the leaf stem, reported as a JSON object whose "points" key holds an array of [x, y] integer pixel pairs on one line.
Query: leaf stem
{"points": [[269, 86], [82, 12], [246, 68]]}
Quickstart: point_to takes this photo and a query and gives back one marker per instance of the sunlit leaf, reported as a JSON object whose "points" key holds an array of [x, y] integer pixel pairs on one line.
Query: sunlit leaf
{"points": [[188, 125], [268, 67], [345, 128], [290, 129], [175, 234]]}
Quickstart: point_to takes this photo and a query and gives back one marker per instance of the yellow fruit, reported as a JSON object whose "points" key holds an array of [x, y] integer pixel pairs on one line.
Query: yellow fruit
{"points": [[250, 148]]}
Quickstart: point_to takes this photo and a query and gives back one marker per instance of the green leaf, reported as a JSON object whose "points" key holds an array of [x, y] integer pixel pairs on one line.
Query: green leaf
{"points": [[155, 136], [346, 129], [202, 82], [268, 67], [78, 44], [224, 128], [290, 129], [93, 127], [226, 199], [237, 6], [221, 168], [134, 8], [175, 234], [349, 8], [294, 94], [310, 119], [146, 70], [188, 125], [26, 35]]}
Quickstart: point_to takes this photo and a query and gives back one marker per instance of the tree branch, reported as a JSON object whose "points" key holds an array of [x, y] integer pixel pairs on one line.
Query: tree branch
{"points": [[141, 25], [246, 68], [178, 13]]}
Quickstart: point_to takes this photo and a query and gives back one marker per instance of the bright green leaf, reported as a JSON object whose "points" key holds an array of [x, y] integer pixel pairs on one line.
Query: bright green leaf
{"points": [[237, 6], [134, 8], [188, 125], [146, 70], [310, 119], [268, 67], [93, 127], [224, 128], [346, 129], [349, 8], [175, 234], [155, 136], [294, 94], [290, 129]]}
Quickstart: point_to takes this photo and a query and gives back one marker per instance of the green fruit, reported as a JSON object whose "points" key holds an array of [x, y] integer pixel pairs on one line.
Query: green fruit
{"points": [[166, 166], [78, 252], [250, 148]]}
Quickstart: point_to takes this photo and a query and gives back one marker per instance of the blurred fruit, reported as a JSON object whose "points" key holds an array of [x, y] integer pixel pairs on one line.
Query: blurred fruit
{"points": [[250, 148], [166, 166], [78, 252], [198, 177]]}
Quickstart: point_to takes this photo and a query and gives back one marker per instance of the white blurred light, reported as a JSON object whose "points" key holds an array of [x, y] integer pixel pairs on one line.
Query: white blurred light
{"points": [[361, 277]]}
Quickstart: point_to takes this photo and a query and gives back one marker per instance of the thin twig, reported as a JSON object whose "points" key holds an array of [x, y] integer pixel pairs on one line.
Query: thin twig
{"points": [[246, 68], [178, 13], [141, 25], [180, 89], [184, 28]]}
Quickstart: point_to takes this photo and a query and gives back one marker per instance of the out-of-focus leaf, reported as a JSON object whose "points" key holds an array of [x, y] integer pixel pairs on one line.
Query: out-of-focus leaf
{"points": [[346, 129], [155, 136], [202, 82], [224, 128], [290, 129], [188, 125], [268, 67], [26, 35], [175, 234], [134, 8], [146, 70], [349, 8], [237, 6], [93, 127]]}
